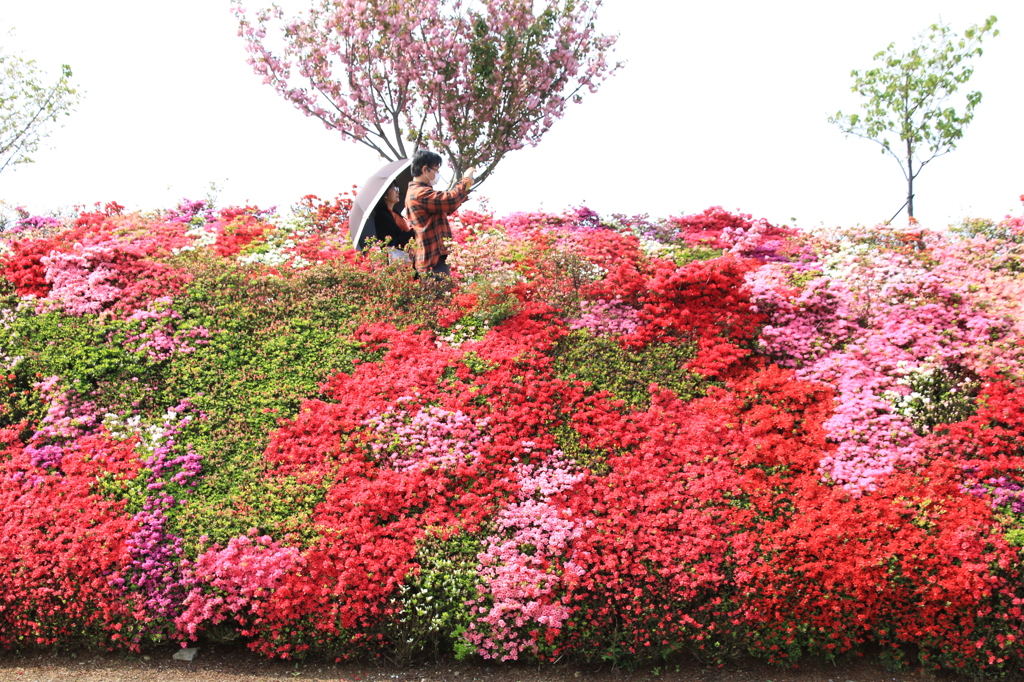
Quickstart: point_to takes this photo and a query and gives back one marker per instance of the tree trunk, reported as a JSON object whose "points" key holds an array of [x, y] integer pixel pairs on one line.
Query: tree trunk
{"points": [[910, 180]]}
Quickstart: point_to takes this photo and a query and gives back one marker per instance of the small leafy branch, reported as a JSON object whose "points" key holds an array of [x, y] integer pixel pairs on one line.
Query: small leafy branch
{"points": [[28, 105]]}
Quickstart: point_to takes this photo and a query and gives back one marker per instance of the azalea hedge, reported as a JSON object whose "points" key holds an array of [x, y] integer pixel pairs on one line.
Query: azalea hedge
{"points": [[603, 439]]}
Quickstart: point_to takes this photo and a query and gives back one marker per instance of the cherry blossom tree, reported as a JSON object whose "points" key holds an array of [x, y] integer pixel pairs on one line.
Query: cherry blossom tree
{"points": [[472, 79]]}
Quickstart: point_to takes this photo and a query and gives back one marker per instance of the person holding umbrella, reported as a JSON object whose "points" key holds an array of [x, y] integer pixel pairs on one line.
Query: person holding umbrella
{"points": [[372, 201], [391, 227], [428, 210]]}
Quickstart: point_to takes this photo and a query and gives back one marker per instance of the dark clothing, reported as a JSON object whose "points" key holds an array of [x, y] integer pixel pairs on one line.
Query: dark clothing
{"points": [[441, 267], [391, 228], [428, 212]]}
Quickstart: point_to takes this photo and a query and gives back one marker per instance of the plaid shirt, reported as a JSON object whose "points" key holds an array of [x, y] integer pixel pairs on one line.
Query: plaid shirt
{"points": [[427, 211]]}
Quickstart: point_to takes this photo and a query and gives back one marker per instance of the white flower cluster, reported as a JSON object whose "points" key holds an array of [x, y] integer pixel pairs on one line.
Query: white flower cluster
{"points": [[912, 401], [929, 395], [865, 266], [279, 248], [275, 255], [150, 436], [201, 238], [459, 333], [650, 247]]}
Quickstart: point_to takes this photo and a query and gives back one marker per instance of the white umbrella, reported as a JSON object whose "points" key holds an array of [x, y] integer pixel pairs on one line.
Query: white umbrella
{"points": [[360, 220]]}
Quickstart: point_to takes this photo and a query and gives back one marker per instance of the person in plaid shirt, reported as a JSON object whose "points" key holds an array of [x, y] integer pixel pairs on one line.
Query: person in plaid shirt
{"points": [[427, 212]]}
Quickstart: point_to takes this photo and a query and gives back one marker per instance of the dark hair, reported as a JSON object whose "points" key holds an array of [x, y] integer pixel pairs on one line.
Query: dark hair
{"points": [[424, 159]]}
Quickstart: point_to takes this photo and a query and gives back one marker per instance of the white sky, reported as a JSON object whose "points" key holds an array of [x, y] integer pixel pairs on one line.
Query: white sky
{"points": [[721, 103]]}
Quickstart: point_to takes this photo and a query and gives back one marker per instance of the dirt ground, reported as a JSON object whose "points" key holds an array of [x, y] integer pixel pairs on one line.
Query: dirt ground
{"points": [[222, 664]]}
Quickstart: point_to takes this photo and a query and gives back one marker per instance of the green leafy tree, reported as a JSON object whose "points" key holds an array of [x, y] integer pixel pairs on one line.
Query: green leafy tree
{"points": [[908, 94], [29, 105]]}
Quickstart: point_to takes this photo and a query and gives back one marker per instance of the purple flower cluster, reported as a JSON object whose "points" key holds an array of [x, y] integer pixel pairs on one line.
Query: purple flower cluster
{"points": [[1004, 493], [188, 211], [158, 570], [67, 417], [35, 223]]}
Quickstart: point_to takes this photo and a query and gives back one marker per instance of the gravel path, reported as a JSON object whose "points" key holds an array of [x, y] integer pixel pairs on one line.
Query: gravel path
{"points": [[235, 665]]}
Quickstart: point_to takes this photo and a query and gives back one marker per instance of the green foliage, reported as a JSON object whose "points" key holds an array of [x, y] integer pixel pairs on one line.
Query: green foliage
{"points": [[990, 229], [628, 373], [1015, 537], [29, 104], [18, 401], [973, 227], [567, 439], [274, 340], [906, 109], [683, 254], [77, 349], [476, 364], [799, 278], [74, 348], [434, 600], [466, 328]]}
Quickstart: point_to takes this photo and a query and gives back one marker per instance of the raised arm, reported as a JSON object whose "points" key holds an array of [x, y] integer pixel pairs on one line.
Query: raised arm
{"points": [[444, 202]]}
